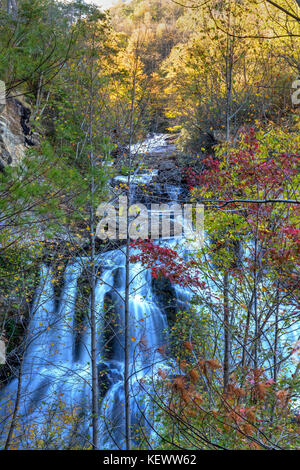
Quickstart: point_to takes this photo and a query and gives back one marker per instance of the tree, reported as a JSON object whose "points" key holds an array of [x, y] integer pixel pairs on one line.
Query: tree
{"points": [[258, 291], [223, 77]]}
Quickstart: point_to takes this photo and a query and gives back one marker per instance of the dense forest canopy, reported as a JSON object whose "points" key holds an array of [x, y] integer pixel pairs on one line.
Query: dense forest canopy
{"points": [[208, 357]]}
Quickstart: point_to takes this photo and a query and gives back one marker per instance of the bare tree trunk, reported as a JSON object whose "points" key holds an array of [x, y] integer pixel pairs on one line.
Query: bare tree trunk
{"points": [[127, 284], [229, 68], [126, 347], [276, 333], [246, 335], [12, 8], [16, 407], [226, 331], [95, 387], [256, 319]]}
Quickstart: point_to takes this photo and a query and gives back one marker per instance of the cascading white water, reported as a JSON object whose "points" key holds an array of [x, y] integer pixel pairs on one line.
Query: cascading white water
{"points": [[57, 363], [54, 368]]}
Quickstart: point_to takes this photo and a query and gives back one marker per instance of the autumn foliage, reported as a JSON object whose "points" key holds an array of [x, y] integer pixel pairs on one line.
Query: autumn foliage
{"points": [[165, 262]]}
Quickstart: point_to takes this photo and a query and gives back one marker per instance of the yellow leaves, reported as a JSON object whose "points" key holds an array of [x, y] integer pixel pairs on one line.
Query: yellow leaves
{"points": [[176, 128], [263, 228], [133, 339]]}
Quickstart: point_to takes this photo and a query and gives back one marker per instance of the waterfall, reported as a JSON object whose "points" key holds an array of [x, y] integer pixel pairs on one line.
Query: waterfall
{"points": [[54, 367], [57, 363]]}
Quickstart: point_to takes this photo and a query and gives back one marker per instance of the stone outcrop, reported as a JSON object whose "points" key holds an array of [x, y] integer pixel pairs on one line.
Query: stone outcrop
{"points": [[15, 132]]}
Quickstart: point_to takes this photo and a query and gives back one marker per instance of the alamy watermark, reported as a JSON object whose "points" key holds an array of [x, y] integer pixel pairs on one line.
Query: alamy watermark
{"points": [[295, 97], [2, 96], [136, 221], [2, 352]]}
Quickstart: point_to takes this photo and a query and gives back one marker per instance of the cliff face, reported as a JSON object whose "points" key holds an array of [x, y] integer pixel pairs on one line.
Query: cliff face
{"points": [[15, 132]]}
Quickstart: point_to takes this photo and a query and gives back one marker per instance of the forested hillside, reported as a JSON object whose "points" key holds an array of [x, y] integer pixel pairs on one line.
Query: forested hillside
{"points": [[114, 340]]}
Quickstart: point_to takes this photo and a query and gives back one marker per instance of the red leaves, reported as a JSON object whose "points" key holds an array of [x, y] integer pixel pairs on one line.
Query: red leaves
{"points": [[292, 233], [191, 177], [250, 172], [166, 263], [246, 169]]}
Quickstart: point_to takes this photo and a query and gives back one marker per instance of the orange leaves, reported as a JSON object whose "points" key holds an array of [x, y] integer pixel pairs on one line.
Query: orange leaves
{"points": [[283, 397], [194, 375], [162, 350], [197, 399], [162, 374], [233, 391], [254, 445], [240, 392], [179, 383], [188, 345], [259, 386], [250, 414], [209, 364], [191, 412], [247, 429], [261, 389], [183, 365], [213, 364], [240, 412], [202, 365], [243, 419], [143, 342], [185, 390], [186, 396]]}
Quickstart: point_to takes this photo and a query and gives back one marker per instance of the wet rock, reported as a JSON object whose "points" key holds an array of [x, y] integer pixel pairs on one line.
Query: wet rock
{"points": [[24, 121], [165, 296], [169, 173]]}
